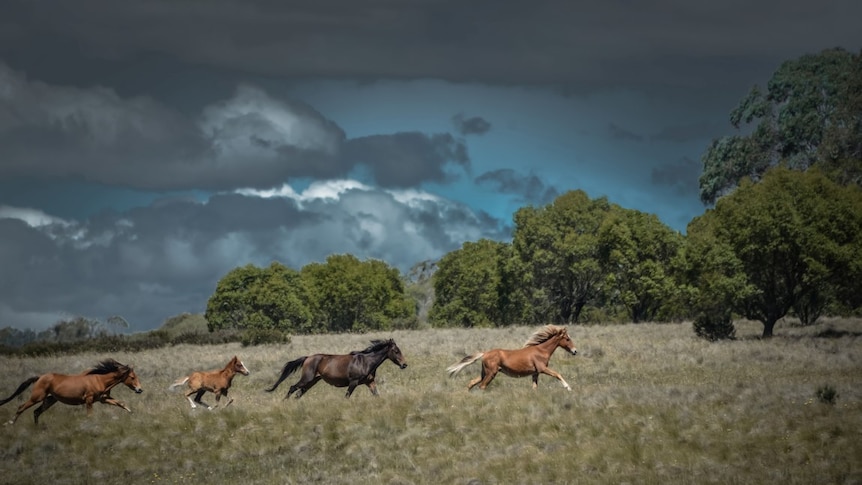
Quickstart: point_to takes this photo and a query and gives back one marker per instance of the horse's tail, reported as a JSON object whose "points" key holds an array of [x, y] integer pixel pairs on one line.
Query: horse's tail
{"points": [[24, 385], [179, 382], [289, 368], [456, 368]]}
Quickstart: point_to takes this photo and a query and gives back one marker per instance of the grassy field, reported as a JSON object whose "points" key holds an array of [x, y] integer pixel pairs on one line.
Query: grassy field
{"points": [[650, 404]]}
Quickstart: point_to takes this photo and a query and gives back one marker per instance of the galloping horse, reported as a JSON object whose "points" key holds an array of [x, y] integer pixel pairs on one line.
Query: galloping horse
{"points": [[216, 382], [530, 360], [91, 386], [350, 370]]}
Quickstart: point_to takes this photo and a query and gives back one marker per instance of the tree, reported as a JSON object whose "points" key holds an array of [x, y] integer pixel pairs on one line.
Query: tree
{"points": [[636, 250], [790, 235], [557, 255], [256, 298], [347, 294], [810, 114], [468, 285]]}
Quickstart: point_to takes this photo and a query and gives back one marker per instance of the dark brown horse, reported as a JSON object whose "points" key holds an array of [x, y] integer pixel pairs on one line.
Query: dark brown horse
{"points": [[87, 388], [530, 360], [347, 370], [217, 382]]}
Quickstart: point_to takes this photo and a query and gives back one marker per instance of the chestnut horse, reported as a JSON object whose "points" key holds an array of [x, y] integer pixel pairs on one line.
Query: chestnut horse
{"points": [[348, 370], [91, 386], [530, 360], [216, 382]]}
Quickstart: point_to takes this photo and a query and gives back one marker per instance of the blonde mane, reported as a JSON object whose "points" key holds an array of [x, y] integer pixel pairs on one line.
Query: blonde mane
{"points": [[544, 334]]}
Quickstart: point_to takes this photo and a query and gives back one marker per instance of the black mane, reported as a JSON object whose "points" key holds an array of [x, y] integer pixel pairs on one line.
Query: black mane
{"points": [[107, 366], [375, 346]]}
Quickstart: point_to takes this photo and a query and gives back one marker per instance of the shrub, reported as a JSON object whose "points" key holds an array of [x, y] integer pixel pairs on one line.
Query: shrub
{"points": [[259, 336], [714, 326], [827, 394]]}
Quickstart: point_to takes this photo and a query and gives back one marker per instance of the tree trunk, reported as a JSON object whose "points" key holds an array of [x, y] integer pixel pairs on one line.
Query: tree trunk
{"points": [[767, 327]]}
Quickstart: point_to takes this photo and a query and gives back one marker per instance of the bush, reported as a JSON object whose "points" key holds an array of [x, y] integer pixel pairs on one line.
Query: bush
{"points": [[715, 327], [260, 336], [827, 394], [209, 338]]}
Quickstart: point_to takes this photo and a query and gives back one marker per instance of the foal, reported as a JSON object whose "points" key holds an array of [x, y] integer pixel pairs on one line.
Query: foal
{"points": [[216, 382]]}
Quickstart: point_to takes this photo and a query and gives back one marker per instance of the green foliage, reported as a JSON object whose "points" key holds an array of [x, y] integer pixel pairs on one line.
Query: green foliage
{"points": [[251, 297], [260, 336], [468, 285], [793, 236], [185, 323], [556, 263], [346, 294], [810, 115], [636, 251], [715, 326]]}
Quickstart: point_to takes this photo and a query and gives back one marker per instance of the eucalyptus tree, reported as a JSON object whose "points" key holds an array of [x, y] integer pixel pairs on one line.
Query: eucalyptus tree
{"points": [[791, 236], [346, 294], [809, 114], [468, 286], [556, 251], [636, 251], [259, 298]]}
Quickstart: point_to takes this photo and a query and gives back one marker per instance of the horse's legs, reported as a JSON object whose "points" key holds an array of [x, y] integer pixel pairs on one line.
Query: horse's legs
{"points": [[34, 400], [229, 399], [552, 373], [301, 388], [110, 400], [535, 380], [373, 387], [47, 403], [351, 387], [488, 374], [199, 395]]}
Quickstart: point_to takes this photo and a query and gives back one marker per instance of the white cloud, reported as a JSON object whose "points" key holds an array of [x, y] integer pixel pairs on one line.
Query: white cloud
{"points": [[33, 217], [154, 262]]}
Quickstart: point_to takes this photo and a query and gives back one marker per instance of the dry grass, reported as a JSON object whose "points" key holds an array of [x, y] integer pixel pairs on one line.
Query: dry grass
{"points": [[651, 404]]}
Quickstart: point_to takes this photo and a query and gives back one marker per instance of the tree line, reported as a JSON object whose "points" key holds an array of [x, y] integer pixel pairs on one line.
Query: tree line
{"points": [[782, 236]]}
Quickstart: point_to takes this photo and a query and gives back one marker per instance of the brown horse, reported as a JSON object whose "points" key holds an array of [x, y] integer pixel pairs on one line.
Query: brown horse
{"points": [[91, 386], [216, 382], [349, 370], [530, 360]]}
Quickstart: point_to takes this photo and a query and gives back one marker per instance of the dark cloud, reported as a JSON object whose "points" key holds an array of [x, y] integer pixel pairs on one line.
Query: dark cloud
{"points": [[251, 139], [574, 45], [474, 125], [681, 133], [406, 159], [248, 140], [618, 133], [529, 188], [682, 176]]}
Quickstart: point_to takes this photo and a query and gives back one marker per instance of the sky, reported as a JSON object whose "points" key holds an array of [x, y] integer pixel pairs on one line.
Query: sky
{"points": [[148, 148]]}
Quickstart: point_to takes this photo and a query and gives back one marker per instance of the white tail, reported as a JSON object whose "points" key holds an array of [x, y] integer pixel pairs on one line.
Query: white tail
{"points": [[455, 368], [179, 382]]}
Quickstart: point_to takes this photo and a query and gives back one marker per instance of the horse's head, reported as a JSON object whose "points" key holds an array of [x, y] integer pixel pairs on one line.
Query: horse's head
{"points": [[238, 366], [394, 354], [131, 381], [566, 343]]}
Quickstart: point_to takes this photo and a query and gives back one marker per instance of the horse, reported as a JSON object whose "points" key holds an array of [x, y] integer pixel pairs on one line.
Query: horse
{"points": [[217, 382], [93, 385], [530, 360], [346, 370]]}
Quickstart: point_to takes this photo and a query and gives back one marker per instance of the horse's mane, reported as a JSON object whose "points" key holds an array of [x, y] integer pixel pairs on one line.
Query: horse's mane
{"points": [[374, 347], [544, 334], [107, 366]]}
